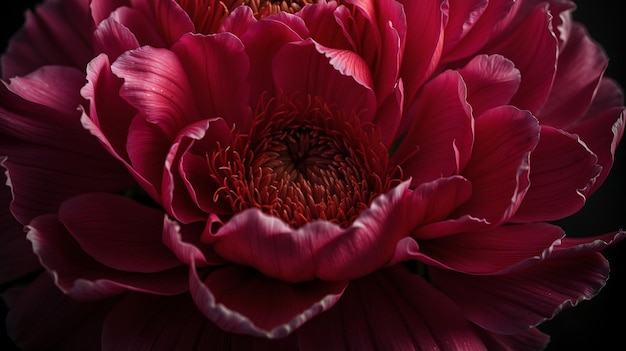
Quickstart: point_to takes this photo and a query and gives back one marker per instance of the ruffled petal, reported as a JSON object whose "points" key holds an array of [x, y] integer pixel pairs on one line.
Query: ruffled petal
{"points": [[44, 164], [319, 249], [525, 50], [499, 168], [183, 198], [262, 51], [43, 318], [156, 84], [551, 195], [497, 250], [16, 253], [391, 310], [142, 321], [82, 277], [422, 53], [515, 302], [580, 67], [113, 39], [277, 309], [491, 82], [55, 33], [482, 29], [339, 77], [434, 149], [105, 230], [217, 67]]}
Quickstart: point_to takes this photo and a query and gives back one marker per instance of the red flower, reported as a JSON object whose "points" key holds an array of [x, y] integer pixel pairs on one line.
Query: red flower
{"points": [[302, 174]]}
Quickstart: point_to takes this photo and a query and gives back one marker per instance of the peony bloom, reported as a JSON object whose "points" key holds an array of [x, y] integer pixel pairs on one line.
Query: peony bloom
{"points": [[317, 175]]}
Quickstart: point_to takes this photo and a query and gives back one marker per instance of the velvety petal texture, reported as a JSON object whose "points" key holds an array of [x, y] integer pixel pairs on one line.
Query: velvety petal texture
{"points": [[300, 175]]}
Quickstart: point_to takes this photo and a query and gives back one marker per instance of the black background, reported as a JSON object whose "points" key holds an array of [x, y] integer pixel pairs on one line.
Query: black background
{"points": [[598, 324]]}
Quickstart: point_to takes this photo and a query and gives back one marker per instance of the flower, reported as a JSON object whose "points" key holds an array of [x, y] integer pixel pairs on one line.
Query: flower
{"points": [[238, 173]]}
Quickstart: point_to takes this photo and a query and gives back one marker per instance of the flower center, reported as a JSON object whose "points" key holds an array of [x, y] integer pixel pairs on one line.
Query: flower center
{"points": [[302, 162], [208, 15]]}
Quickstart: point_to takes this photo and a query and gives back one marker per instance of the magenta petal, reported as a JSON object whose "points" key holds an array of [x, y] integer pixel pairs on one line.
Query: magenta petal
{"points": [[43, 318], [217, 67], [422, 55], [552, 196], [499, 167], [525, 50], [113, 39], [320, 249], [391, 310], [514, 302], [436, 149], [142, 321], [492, 251], [274, 310], [118, 232], [83, 278], [339, 77], [580, 68], [156, 84], [491, 82], [56, 33]]}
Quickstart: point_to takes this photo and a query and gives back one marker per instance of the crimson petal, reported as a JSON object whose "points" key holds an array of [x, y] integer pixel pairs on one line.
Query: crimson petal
{"points": [[392, 309], [277, 309]]}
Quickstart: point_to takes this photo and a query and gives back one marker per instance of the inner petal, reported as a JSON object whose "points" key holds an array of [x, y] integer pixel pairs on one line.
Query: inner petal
{"points": [[302, 162], [208, 15]]}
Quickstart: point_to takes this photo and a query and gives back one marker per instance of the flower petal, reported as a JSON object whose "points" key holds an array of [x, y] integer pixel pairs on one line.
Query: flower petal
{"points": [[319, 249], [339, 77], [56, 33], [44, 165], [43, 318], [499, 166], [492, 251], [423, 52], [217, 67], [512, 303], [118, 232], [436, 149], [491, 82], [16, 253], [156, 84], [277, 309], [552, 196], [391, 310], [525, 50], [141, 321], [80, 276], [580, 67]]}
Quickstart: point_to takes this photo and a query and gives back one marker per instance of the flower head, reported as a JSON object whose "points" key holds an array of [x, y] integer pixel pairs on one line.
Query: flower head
{"points": [[266, 172]]}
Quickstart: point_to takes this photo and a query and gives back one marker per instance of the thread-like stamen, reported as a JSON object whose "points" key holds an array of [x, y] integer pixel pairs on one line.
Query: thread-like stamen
{"points": [[302, 162]]}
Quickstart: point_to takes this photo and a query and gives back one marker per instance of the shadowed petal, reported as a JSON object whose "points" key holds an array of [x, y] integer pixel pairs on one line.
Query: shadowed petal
{"points": [[56, 33], [43, 318], [551, 195], [499, 167], [277, 308], [82, 277], [142, 321], [391, 310], [434, 149], [512, 303]]}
